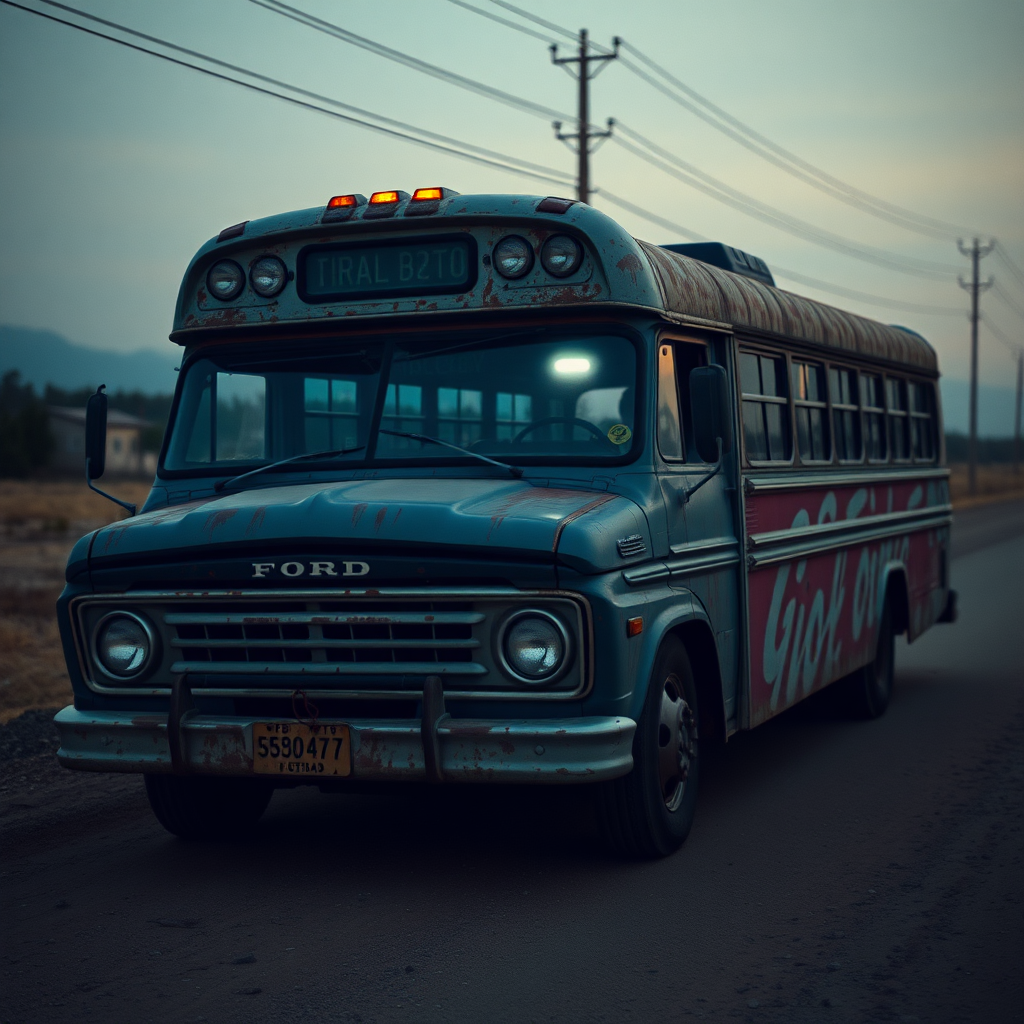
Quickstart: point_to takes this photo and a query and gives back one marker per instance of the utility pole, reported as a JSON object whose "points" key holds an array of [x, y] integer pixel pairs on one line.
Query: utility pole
{"points": [[976, 287], [1017, 411], [583, 135]]}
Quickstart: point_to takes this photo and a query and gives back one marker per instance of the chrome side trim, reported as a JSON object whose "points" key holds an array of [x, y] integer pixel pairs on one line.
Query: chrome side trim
{"points": [[838, 478], [787, 545], [691, 558]]}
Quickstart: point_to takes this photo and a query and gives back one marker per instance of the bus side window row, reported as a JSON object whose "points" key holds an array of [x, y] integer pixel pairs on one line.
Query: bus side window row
{"points": [[873, 416]]}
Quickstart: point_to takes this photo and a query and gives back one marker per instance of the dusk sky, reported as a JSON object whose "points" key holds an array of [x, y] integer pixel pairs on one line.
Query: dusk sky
{"points": [[116, 166]]}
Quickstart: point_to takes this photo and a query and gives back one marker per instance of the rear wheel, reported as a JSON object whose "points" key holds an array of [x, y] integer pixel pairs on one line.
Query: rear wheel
{"points": [[198, 807], [868, 690], [648, 813]]}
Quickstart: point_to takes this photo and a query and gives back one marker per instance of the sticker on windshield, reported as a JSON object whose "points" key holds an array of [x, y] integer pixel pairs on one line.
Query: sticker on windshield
{"points": [[619, 433]]}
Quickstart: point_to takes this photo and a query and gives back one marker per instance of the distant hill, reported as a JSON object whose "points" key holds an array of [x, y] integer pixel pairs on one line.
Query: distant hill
{"points": [[44, 357]]}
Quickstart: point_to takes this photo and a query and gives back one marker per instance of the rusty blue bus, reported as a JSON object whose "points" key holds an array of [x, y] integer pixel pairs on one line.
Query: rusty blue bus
{"points": [[481, 489]]}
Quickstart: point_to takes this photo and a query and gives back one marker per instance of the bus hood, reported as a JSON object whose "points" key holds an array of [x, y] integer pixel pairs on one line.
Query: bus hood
{"points": [[482, 518]]}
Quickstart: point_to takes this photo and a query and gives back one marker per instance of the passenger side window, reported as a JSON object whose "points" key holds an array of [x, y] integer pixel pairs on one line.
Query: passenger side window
{"points": [[845, 413], [899, 419], [331, 407], [766, 428], [922, 419], [811, 412], [874, 418]]}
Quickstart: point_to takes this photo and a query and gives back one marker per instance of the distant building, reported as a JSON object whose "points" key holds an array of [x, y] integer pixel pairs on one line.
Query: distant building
{"points": [[124, 457]]}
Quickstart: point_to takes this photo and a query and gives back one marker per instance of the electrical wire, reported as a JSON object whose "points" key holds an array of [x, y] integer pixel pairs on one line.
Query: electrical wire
{"points": [[550, 25], [389, 53], [997, 290], [1007, 262], [1015, 347], [451, 147], [792, 275], [502, 21], [697, 179]]}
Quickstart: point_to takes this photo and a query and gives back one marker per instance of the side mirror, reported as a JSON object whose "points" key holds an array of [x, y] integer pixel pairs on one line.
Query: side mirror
{"points": [[96, 434], [712, 415]]}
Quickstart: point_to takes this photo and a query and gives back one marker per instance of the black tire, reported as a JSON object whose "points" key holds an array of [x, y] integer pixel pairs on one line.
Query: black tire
{"points": [[648, 813], [868, 690], [205, 807]]}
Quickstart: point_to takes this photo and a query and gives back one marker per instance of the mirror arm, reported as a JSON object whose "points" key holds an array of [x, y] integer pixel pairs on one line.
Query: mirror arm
{"points": [[685, 496], [117, 501]]}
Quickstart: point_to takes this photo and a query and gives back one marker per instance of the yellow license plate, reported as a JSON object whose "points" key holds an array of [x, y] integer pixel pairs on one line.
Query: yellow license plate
{"points": [[294, 749]]}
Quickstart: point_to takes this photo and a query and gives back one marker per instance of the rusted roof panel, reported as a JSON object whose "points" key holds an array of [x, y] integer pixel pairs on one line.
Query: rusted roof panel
{"points": [[686, 287]]}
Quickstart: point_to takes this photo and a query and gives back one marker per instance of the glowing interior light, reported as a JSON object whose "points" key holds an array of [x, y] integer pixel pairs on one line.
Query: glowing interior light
{"points": [[422, 194], [572, 365], [342, 201], [384, 197]]}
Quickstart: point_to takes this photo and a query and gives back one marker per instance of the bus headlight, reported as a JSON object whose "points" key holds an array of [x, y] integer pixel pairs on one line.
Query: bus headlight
{"points": [[513, 256], [267, 276], [535, 647], [561, 255], [225, 280], [124, 644]]}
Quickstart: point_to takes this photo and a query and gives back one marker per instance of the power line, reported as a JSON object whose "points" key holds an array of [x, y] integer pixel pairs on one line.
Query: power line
{"points": [[389, 53], [785, 159], [792, 275], [1004, 256], [695, 178], [998, 290], [502, 21], [759, 144], [1015, 347], [499, 161]]}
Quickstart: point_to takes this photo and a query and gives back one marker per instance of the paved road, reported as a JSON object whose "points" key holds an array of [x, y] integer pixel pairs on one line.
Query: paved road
{"points": [[838, 872]]}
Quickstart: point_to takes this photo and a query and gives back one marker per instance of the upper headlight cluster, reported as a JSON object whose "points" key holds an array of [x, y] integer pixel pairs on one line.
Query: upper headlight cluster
{"points": [[226, 279], [560, 256]]}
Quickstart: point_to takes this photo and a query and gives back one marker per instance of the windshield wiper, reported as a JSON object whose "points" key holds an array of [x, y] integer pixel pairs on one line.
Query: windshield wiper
{"points": [[328, 454], [514, 470]]}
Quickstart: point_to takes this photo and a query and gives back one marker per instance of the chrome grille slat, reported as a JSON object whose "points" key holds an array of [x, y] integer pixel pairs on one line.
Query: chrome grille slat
{"points": [[333, 668], [313, 643], [326, 619]]}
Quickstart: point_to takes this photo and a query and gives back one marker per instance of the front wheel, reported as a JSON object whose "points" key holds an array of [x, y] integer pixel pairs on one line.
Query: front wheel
{"points": [[205, 807], [648, 813]]}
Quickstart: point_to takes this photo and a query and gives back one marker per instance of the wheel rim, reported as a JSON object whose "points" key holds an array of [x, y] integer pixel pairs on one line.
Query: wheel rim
{"points": [[677, 738]]}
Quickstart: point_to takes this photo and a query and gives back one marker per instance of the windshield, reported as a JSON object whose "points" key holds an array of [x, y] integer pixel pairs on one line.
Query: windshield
{"points": [[522, 396]]}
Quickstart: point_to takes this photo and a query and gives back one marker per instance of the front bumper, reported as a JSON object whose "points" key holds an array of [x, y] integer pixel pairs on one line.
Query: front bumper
{"points": [[555, 751]]}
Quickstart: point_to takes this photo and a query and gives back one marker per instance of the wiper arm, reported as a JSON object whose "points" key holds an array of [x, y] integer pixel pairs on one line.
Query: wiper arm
{"points": [[514, 470], [329, 454]]}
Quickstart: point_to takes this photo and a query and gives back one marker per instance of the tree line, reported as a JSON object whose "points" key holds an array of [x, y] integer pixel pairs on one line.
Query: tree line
{"points": [[26, 440]]}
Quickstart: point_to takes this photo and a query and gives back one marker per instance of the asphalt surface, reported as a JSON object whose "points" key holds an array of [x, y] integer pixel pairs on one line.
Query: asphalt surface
{"points": [[838, 871]]}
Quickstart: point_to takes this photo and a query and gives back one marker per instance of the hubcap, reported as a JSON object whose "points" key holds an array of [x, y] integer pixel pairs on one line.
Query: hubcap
{"points": [[677, 743]]}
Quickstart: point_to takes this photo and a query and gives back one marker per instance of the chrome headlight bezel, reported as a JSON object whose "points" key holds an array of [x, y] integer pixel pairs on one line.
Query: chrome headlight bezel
{"points": [[149, 659], [507, 663], [236, 272], [260, 268]]}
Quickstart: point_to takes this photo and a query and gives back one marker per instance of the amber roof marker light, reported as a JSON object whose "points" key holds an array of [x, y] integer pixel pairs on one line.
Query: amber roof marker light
{"points": [[428, 200], [384, 204], [342, 207]]}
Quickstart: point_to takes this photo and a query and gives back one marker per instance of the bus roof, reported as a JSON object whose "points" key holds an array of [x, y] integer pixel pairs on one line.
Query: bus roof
{"points": [[622, 271]]}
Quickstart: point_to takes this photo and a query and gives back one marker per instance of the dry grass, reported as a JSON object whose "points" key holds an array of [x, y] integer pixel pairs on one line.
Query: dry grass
{"points": [[39, 522], [994, 481]]}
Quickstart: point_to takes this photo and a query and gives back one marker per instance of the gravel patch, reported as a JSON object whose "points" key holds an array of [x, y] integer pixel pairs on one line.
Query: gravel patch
{"points": [[29, 735]]}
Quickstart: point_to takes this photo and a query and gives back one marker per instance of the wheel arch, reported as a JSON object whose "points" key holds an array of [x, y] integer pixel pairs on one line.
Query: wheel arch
{"points": [[894, 586], [692, 626]]}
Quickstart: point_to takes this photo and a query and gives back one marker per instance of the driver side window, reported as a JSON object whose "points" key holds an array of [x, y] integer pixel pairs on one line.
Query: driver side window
{"points": [[676, 359]]}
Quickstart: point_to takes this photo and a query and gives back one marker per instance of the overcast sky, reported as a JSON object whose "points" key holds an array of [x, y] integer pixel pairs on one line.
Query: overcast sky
{"points": [[115, 166]]}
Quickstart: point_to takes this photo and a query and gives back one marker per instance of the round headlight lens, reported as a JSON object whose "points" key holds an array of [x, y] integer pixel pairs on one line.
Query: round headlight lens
{"points": [[124, 645], [225, 280], [561, 255], [513, 256], [267, 276], [534, 648]]}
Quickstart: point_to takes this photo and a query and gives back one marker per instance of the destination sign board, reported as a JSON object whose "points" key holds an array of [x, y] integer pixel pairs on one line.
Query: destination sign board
{"points": [[384, 269]]}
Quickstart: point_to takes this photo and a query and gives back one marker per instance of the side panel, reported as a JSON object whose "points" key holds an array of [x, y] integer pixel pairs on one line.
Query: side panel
{"points": [[819, 559]]}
